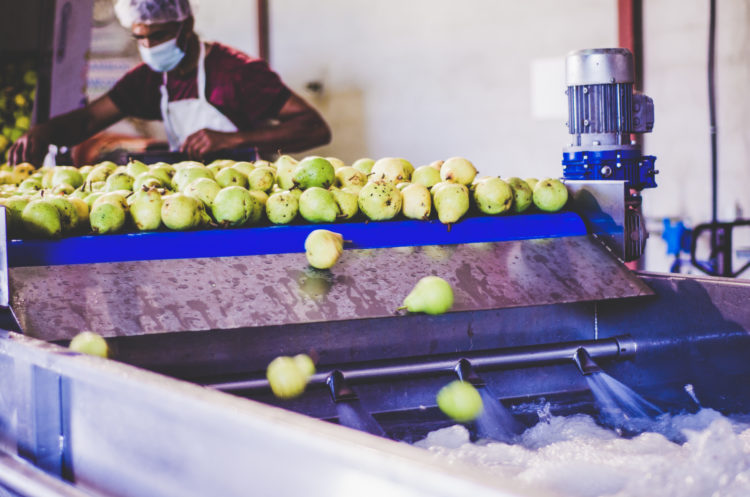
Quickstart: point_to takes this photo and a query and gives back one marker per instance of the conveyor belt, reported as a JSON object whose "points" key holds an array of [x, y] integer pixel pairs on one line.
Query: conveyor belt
{"points": [[286, 239]]}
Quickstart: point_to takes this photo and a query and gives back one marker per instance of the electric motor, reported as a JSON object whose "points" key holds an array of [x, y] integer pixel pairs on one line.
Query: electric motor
{"points": [[603, 113]]}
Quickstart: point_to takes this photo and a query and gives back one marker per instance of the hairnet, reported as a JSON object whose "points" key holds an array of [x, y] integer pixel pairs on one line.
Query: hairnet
{"points": [[130, 12]]}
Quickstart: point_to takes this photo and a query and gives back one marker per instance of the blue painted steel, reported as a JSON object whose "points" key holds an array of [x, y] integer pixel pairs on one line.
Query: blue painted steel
{"points": [[286, 239], [628, 165]]}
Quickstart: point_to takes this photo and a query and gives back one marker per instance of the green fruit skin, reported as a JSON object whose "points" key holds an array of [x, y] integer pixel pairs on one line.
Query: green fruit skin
{"points": [[119, 181], [180, 212], [460, 401], [14, 209], [317, 205], [145, 211], [68, 213], [426, 175], [259, 206], [285, 167], [451, 202], [323, 248], [314, 171], [186, 175], [282, 208], [523, 195], [417, 201], [231, 177], [305, 364], [364, 165], [136, 167], [147, 179], [431, 295], [348, 176], [550, 195], [286, 378], [347, 203], [380, 200], [89, 343], [233, 206], [40, 218], [203, 189], [458, 170], [493, 196], [69, 175], [107, 217], [261, 179]]}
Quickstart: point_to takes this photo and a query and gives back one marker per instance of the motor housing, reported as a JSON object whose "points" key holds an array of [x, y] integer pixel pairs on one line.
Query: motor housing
{"points": [[603, 113]]}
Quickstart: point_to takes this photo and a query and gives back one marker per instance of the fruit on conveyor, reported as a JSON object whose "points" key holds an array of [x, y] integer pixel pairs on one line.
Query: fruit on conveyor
{"points": [[522, 194], [317, 205], [282, 207], [392, 169], [493, 196], [460, 401], [346, 201], [451, 202], [417, 202], [89, 343], [314, 171], [380, 200], [550, 195], [427, 176], [285, 167], [431, 295], [323, 248], [41, 218], [364, 165], [185, 194], [458, 170], [232, 206], [288, 376]]}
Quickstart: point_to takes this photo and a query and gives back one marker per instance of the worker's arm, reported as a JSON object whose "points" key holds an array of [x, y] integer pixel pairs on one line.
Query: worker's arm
{"points": [[298, 127], [66, 129]]}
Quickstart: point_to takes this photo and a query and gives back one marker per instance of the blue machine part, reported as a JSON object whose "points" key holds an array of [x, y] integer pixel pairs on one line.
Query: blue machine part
{"points": [[677, 236], [286, 239], [625, 165]]}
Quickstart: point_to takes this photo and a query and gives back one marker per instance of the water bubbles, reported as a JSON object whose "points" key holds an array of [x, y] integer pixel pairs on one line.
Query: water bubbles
{"points": [[684, 455]]}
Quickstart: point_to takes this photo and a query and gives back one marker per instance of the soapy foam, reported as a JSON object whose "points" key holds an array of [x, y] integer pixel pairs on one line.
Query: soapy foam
{"points": [[687, 455]]}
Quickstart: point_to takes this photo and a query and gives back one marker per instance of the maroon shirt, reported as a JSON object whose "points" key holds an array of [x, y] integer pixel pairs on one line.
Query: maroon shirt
{"points": [[244, 89]]}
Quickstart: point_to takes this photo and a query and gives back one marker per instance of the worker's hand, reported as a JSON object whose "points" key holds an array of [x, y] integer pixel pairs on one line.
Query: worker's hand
{"points": [[205, 141], [31, 147]]}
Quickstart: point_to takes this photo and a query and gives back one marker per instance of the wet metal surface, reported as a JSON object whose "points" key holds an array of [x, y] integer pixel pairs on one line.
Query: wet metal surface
{"points": [[130, 298]]}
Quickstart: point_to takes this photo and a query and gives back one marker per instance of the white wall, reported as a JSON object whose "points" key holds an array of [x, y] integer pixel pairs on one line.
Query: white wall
{"points": [[429, 79], [676, 41]]}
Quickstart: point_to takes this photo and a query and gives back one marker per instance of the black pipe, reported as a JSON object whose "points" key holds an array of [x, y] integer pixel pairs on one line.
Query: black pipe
{"points": [[621, 347], [465, 372], [585, 363], [339, 387], [715, 242]]}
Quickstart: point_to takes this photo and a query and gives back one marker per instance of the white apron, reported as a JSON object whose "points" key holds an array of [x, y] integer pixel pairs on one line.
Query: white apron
{"points": [[182, 118]]}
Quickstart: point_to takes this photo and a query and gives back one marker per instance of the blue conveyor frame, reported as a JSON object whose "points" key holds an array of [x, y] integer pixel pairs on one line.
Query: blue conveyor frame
{"points": [[260, 240]]}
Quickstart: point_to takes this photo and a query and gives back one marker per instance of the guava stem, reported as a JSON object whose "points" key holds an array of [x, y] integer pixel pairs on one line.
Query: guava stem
{"points": [[401, 308]]}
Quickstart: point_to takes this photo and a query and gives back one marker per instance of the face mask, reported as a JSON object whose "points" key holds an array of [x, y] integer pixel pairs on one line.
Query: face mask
{"points": [[163, 57]]}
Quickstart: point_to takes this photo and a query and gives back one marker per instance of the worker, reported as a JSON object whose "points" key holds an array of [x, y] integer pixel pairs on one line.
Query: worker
{"points": [[210, 97]]}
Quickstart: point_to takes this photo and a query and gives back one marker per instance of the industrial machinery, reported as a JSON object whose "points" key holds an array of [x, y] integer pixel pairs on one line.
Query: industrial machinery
{"points": [[604, 114], [540, 301]]}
